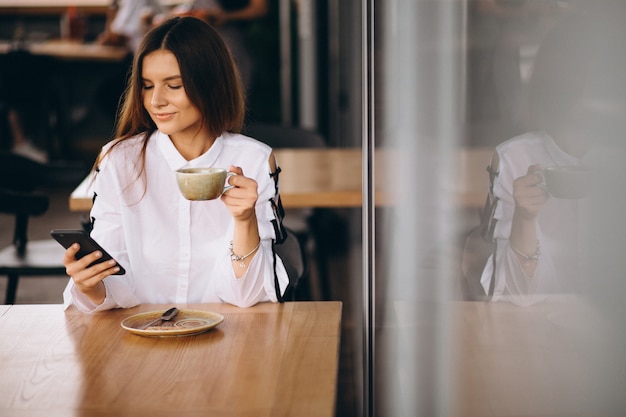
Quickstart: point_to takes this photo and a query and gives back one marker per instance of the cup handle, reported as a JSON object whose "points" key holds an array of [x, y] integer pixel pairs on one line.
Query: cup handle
{"points": [[542, 184], [228, 187]]}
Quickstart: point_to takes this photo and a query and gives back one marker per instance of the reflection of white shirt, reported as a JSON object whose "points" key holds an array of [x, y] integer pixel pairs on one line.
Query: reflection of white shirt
{"points": [[128, 20], [175, 250], [557, 267]]}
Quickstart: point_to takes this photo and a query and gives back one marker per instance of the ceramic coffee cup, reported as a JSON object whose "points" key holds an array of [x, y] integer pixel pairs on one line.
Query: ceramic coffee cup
{"points": [[569, 181], [203, 183]]}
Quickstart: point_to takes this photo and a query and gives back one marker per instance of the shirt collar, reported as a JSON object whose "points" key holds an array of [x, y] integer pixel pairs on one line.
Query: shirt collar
{"points": [[558, 156], [176, 161]]}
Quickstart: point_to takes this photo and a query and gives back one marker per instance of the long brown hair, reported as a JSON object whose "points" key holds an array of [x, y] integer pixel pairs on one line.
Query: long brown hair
{"points": [[209, 75]]}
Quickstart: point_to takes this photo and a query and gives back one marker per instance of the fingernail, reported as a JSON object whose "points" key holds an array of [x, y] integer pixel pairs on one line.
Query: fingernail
{"points": [[111, 262], [98, 254]]}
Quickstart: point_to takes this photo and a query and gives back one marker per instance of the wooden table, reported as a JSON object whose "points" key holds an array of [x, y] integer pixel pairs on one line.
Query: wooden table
{"points": [[332, 177], [56, 6], [309, 178], [66, 50], [52, 6], [554, 358], [268, 360]]}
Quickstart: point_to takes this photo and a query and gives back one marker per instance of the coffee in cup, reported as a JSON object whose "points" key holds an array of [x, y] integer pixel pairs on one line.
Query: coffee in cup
{"points": [[567, 181], [203, 183]]}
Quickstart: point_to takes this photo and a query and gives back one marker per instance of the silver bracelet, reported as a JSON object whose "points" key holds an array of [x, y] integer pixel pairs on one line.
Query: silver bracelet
{"points": [[528, 258], [236, 258]]}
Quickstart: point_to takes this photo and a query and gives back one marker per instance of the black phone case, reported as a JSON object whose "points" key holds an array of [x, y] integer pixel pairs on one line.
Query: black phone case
{"points": [[67, 237]]}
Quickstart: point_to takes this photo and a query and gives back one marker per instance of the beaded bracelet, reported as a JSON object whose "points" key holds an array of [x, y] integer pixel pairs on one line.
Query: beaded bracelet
{"points": [[236, 258]]}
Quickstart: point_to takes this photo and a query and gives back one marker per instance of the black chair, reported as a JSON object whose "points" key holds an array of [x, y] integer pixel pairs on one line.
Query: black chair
{"points": [[281, 136], [294, 257], [19, 178], [300, 221]]}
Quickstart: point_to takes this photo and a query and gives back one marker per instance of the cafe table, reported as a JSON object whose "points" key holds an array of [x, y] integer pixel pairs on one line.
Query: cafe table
{"points": [[67, 50], [57, 6], [309, 178], [52, 5], [267, 360], [558, 357], [332, 178]]}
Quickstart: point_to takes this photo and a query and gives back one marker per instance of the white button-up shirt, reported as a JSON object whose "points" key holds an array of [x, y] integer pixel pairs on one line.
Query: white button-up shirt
{"points": [[557, 226], [175, 250], [129, 19]]}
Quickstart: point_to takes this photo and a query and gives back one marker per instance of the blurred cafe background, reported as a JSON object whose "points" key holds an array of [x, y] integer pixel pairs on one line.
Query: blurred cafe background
{"points": [[405, 102]]}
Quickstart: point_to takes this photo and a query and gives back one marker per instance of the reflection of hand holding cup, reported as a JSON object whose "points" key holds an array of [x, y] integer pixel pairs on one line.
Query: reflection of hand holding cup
{"points": [[568, 181], [203, 183]]}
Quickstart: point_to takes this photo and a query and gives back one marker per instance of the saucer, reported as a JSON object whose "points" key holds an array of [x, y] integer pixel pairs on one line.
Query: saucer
{"points": [[186, 322]]}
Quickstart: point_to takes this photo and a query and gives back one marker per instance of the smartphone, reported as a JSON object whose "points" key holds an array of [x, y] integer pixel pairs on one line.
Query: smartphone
{"points": [[67, 237]]}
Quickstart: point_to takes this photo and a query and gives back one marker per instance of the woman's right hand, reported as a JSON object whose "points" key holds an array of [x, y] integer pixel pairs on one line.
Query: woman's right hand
{"points": [[88, 279], [529, 196]]}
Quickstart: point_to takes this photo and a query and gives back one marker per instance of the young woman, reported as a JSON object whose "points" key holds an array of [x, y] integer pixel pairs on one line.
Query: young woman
{"points": [[182, 108], [576, 96]]}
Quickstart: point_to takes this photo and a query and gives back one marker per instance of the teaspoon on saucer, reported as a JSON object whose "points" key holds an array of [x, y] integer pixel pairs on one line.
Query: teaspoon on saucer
{"points": [[168, 315]]}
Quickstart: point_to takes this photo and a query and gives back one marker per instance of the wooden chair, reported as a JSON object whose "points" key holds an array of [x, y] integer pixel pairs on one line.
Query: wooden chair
{"points": [[19, 176]]}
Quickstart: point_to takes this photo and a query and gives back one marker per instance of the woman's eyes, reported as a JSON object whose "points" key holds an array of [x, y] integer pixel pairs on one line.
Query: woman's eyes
{"points": [[170, 86]]}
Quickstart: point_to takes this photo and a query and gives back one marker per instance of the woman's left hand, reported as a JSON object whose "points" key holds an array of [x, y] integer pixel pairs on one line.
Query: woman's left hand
{"points": [[242, 199]]}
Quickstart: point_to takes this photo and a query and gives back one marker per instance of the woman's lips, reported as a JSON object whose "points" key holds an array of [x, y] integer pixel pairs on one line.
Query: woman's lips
{"points": [[163, 116]]}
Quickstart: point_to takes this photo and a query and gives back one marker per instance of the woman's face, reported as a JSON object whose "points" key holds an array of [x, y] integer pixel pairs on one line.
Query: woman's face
{"points": [[165, 99]]}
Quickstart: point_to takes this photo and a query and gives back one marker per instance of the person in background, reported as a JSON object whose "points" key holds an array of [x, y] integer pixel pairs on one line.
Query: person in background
{"points": [[183, 108], [128, 21], [126, 24], [21, 144], [25, 103], [230, 18]]}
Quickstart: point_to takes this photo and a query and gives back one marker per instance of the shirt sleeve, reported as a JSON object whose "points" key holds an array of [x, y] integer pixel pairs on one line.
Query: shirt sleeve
{"points": [[108, 232], [511, 282], [127, 19], [258, 283]]}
